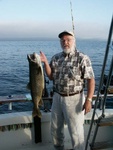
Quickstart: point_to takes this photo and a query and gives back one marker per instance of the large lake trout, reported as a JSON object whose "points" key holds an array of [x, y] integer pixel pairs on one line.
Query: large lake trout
{"points": [[36, 83]]}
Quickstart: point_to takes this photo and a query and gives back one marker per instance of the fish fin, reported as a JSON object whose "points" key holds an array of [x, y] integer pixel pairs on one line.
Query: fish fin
{"points": [[36, 112], [41, 102], [28, 86], [39, 70]]}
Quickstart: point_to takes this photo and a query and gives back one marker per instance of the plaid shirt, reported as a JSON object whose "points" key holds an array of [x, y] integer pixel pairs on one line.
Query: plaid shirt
{"points": [[69, 71]]}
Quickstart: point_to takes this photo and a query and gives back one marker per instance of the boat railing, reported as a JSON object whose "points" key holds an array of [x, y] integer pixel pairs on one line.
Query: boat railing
{"points": [[108, 47], [19, 98], [27, 98]]}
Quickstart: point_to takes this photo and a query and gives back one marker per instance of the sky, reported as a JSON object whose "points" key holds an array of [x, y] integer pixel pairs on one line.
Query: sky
{"points": [[47, 18]]}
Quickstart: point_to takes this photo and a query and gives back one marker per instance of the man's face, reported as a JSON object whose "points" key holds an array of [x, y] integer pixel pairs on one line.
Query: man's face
{"points": [[67, 43]]}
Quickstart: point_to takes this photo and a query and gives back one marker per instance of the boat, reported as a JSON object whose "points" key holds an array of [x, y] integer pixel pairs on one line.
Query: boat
{"points": [[17, 129]]}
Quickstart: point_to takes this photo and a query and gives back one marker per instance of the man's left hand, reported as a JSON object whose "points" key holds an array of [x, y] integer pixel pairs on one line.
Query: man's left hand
{"points": [[87, 106]]}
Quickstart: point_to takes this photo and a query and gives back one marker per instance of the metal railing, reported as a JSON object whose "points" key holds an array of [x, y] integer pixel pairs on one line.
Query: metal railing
{"points": [[100, 84]]}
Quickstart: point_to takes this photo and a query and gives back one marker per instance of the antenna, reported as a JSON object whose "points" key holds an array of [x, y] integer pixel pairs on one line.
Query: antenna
{"points": [[73, 27]]}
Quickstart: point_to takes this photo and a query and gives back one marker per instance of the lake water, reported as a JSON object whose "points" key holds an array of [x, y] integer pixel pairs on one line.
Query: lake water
{"points": [[14, 69]]}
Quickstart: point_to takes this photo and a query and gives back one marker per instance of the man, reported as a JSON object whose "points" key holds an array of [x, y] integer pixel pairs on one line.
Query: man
{"points": [[68, 70]]}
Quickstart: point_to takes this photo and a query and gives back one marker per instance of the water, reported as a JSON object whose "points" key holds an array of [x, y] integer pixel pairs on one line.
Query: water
{"points": [[14, 69]]}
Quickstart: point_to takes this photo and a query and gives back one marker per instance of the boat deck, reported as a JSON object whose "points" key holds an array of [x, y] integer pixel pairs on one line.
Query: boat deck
{"points": [[44, 146], [23, 138], [16, 129]]}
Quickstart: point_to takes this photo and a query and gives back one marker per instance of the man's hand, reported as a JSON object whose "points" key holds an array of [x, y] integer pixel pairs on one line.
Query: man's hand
{"points": [[47, 66], [43, 57], [87, 106]]}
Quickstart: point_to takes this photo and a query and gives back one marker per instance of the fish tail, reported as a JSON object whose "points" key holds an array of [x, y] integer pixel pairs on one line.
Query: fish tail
{"points": [[36, 112]]}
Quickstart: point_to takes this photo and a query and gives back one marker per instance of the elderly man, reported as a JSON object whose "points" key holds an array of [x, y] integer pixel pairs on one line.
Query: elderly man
{"points": [[68, 70]]}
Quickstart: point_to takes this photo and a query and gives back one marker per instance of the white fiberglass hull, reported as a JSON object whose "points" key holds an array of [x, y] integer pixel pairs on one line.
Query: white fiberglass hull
{"points": [[17, 131]]}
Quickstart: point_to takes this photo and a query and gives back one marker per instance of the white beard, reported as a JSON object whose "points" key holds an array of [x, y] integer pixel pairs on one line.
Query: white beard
{"points": [[69, 50]]}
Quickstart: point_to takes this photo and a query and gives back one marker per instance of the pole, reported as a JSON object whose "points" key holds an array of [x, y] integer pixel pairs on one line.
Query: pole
{"points": [[37, 129], [73, 27]]}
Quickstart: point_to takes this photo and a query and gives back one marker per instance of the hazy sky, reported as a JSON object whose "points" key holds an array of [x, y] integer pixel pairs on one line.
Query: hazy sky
{"points": [[46, 18]]}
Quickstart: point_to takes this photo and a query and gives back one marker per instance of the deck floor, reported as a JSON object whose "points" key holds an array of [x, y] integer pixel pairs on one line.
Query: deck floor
{"points": [[43, 146]]}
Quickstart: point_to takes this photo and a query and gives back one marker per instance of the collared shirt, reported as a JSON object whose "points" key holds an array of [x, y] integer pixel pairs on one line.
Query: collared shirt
{"points": [[69, 71]]}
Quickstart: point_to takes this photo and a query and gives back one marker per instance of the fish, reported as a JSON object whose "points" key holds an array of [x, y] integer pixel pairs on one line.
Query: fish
{"points": [[36, 82]]}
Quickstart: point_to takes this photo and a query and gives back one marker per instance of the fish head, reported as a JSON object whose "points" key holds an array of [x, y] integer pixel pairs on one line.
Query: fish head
{"points": [[34, 59]]}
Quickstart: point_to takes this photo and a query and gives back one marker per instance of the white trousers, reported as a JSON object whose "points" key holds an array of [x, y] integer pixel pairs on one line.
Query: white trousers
{"points": [[68, 109]]}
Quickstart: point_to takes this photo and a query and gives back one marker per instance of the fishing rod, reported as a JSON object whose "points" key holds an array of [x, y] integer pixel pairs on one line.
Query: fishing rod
{"points": [[73, 27]]}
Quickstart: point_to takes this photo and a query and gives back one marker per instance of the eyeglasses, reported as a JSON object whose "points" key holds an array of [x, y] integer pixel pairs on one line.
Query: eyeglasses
{"points": [[66, 40]]}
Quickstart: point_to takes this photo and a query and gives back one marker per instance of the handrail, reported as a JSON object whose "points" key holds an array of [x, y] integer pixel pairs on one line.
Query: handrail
{"points": [[107, 85], [19, 98], [23, 98], [101, 80]]}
